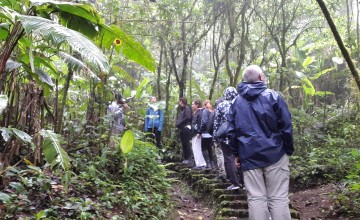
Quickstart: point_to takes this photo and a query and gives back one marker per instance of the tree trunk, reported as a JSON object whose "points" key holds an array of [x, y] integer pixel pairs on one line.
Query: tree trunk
{"points": [[340, 43], [63, 102], [159, 69]]}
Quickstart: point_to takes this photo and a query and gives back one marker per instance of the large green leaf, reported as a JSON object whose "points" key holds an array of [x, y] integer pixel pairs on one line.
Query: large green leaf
{"points": [[81, 10], [45, 62], [53, 152], [141, 88], [3, 34], [308, 87], [308, 61], [3, 102], [60, 34], [85, 19], [323, 93], [321, 73], [130, 47], [127, 142]]}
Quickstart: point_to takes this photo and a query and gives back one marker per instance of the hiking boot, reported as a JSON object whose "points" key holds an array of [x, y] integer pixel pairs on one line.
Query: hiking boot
{"points": [[233, 187]]}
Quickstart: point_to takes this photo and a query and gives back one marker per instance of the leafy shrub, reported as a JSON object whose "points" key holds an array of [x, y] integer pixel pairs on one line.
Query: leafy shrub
{"points": [[111, 185]]}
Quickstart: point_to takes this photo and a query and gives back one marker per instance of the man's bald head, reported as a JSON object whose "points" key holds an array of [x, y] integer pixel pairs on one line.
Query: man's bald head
{"points": [[253, 73]]}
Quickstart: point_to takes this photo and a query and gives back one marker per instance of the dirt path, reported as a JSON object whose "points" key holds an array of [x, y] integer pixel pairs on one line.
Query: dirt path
{"points": [[318, 203], [186, 206]]}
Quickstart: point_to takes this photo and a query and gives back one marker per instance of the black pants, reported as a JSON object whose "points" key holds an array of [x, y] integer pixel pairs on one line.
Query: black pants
{"points": [[155, 137], [229, 163], [185, 136], [207, 151]]}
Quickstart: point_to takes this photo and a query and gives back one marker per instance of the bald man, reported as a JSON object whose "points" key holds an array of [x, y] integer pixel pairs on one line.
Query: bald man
{"points": [[260, 127]]}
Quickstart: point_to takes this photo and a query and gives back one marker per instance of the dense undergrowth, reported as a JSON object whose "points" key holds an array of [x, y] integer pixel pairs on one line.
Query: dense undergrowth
{"points": [[328, 153], [108, 185]]}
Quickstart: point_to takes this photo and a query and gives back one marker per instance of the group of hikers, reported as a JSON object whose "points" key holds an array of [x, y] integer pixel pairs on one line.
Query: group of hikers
{"points": [[250, 131]]}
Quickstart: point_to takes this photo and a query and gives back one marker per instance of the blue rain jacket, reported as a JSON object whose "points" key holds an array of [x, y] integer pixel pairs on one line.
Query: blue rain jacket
{"points": [[154, 119], [260, 126]]}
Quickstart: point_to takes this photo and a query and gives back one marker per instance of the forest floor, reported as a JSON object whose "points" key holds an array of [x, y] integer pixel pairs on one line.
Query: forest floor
{"points": [[186, 206], [318, 203], [313, 204]]}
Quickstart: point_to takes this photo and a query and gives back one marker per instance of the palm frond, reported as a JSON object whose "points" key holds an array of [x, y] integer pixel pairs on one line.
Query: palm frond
{"points": [[53, 152], [60, 34], [77, 64]]}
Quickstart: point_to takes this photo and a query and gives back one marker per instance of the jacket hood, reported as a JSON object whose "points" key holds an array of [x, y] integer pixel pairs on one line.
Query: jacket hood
{"points": [[250, 91], [230, 93]]}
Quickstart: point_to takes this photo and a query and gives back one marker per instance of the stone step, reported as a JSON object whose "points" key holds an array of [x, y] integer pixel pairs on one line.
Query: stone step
{"points": [[242, 213], [173, 180], [171, 174], [230, 218], [234, 204], [219, 192], [230, 197]]}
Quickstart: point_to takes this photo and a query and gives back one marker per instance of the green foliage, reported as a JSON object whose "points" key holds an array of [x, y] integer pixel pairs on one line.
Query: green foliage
{"points": [[59, 34], [127, 142], [354, 174], [134, 182], [28, 188], [53, 152], [109, 186], [131, 48], [328, 154]]}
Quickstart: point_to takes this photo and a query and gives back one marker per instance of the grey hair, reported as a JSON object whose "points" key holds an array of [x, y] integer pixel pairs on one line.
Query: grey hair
{"points": [[252, 73]]}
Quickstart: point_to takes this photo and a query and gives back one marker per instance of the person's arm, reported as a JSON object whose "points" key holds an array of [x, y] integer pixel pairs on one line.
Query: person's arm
{"points": [[161, 120], [284, 124], [204, 120]]}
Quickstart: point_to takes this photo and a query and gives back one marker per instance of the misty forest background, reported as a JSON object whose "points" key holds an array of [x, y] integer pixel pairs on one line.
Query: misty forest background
{"points": [[61, 62]]}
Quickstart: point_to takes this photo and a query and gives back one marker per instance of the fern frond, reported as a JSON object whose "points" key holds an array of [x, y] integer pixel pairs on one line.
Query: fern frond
{"points": [[53, 152], [60, 34]]}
